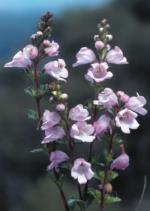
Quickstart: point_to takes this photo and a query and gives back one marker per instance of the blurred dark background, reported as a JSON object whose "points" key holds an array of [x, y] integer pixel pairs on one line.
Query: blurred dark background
{"points": [[24, 185]]}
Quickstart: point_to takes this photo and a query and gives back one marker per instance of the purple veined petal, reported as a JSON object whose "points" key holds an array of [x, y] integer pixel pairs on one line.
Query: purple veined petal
{"points": [[79, 113]]}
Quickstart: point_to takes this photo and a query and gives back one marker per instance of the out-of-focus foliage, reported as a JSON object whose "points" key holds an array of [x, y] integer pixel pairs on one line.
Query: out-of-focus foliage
{"points": [[23, 181]]}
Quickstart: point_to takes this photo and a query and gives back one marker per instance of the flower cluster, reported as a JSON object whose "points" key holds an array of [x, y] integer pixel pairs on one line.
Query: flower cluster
{"points": [[99, 121]]}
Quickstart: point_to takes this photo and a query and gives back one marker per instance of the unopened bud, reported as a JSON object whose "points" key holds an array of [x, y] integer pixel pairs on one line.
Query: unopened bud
{"points": [[60, 107], [96, 37], [108, 188], [39, 33], [64, 96], [54, 93], [99, 45], [109, 37]]}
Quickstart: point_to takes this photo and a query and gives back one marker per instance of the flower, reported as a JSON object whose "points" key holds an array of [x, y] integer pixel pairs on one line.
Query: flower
{"points": [[52, 48], [56, 158], [98, 72], [102, 125], [84, 56], [82, 171], [50, 119], [123, 97], [107, 98], [78, 113], [57, 70], [31, 51], [126, 120], [121, 162], [82, 131], [53, 134], [23, 59], [136, 104], [115, 56]]}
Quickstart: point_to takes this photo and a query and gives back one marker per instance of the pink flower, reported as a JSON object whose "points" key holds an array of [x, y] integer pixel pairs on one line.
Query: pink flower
{"points": [[122, 96], [82, 171], [23, 59], [57, 70], [98, 72], [56, 158], [52, 48], [50, 119], [79, 113], [115, 56], [31, 51], [84, 56], [107, 98], [126, 120], [102, 125], [99, 45], [121, 162], [82, 131], [53, 134], [136, 104]]}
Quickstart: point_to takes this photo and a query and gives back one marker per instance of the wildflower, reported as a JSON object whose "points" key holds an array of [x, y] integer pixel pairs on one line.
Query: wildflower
{"points": [[79, 113], [82, 131], [126, 120], [82, 171], [50, 119], [102, 125], [52, 48], [57, 70], [115, 56], [84, 56]]}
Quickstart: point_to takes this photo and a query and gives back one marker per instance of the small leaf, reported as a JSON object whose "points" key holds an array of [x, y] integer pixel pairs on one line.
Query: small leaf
{"points": [[96, 194], [30, 91], [112, 175], [32, 114], [111, 199], [37, 150]]}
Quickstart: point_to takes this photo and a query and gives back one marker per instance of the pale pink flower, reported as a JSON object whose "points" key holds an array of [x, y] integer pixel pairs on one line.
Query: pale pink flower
{"points": [[121, 162], [126, 120], [123, 97], [136, 104], [23, 59], [79, 113], [60, 107], [52, 48], [50, 119], [98, 72], [84, 56], [107, 98], [82, 171], [30, 51], [57, 69], [99, 45], [115, 56], [56, 158], [53, 134], [82, 131], [102, 125]]}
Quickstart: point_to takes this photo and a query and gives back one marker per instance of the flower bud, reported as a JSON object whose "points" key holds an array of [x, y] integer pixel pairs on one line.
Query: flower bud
{"points": [[54, 93], [109, 37], [99, 45], [108, 188], [60, 107], [96, 37], [39, 33], [64, 96]]}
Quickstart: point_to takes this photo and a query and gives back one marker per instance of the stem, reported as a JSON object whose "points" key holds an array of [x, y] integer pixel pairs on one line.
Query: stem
{"points": [[36, 87], [102, 203], [62, 194]]}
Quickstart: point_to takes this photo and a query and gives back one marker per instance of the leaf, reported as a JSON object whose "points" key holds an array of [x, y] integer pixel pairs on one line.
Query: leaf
{"points": [[73, 202], [30, 91], [96, 194], [111, 199], [37, 150], [43, 89], [99, 175], [112, 175], [32, 114]]}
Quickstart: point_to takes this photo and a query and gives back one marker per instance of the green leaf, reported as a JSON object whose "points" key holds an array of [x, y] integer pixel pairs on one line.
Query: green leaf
{"points": [[30, 91], [43, 89], [96, 194], [73, 202], [32, 114], [37, 150], [99, 175], [112, 175], [111, 199]]}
